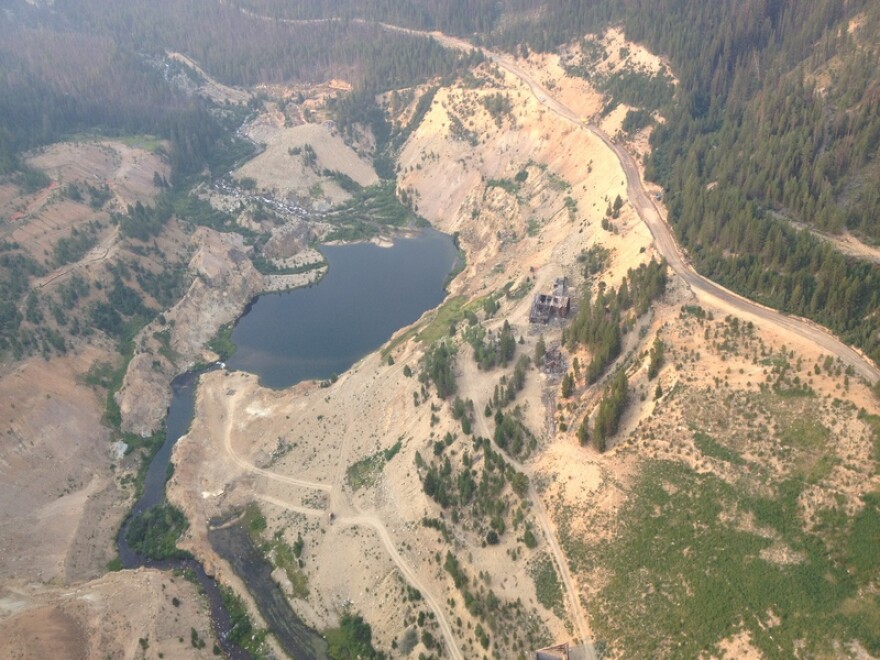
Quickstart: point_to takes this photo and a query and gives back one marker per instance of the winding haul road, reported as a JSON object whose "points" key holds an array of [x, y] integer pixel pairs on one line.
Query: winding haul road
{"points": [[706, 288], [664, 239], [356, 519], [666, 245]]}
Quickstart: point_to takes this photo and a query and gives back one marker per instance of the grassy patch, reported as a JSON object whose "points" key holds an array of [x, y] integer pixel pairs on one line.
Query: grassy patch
{"points": [[277, 551], [242, 632], [805, 433], [450, 312], [254, 522], [369, 211], [165, 349], [710, 447], [352, 639], [684, 576], [366, 472], [547, 586], [222, 343], [285, 558], [873, 422], [863, 545], [436, 327], [809, 439]]}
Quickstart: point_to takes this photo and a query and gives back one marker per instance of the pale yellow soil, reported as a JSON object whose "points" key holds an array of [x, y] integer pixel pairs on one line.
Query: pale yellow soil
{"points": [[127, 170], [37, 221], [59, 498], [224, 282], [62, 481], [627, 54], [107, 618], [61, 501], [739, 647], [276, 170], [289, 450]]}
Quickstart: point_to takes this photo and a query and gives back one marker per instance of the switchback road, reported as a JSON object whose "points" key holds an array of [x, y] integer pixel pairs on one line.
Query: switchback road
{"points": [[650, 213], [664, 239]]}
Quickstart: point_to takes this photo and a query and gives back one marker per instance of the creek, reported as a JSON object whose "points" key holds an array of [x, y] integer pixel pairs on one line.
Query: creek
{"points": [[369, 292]]}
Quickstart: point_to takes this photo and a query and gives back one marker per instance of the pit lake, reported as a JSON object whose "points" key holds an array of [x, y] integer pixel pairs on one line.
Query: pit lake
{"points": [[368, 293]]}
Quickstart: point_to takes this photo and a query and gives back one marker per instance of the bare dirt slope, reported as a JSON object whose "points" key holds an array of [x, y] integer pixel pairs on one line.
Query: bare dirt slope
{"points": [[208, 86], [526, 190], [121, 615], [224, 282], [63, 492], [127, 169], [287, 168], [288, 449], [60, 499]]}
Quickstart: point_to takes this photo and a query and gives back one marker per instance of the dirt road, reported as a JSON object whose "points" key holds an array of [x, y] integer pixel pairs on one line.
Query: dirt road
{"points": [[101, 252], [576, 611], [358, 519], [250, 467], [664, 238], [709, 290]]}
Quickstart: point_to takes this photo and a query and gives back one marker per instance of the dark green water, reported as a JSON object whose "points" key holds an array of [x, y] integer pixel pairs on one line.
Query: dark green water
{"points": [[368, 293]]}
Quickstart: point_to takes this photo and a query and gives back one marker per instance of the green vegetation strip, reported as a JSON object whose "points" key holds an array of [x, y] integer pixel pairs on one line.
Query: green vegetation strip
{"points": [[352, 640], [242, 632], [687, 571], [547, 586], [365, 473], [154, 533]]}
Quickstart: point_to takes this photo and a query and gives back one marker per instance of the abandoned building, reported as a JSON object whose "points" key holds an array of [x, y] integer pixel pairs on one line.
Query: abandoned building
{"points": [[563, 652], [556, 305], [558, 652]]}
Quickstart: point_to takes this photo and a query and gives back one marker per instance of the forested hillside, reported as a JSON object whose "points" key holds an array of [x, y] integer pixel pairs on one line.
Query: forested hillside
{"points": [[461, 17], [786, 123], [57, 82], [96, 65], [243, 49], [777, 117]]}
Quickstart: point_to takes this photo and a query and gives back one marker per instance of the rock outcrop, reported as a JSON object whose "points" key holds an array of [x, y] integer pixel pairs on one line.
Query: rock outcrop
{"points": [[224, 282]]}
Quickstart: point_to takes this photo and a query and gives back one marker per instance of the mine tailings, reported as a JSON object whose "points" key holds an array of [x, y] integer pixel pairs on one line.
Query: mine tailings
{"points": [[317, 332]]}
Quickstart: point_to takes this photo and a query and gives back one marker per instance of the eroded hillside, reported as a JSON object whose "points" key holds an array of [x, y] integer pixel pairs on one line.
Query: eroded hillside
{"points": [[482, 484], [483, 481]]}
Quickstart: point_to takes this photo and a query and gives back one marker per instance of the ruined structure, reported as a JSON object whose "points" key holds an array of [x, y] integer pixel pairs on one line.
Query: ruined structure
{"points": [[554, 305]]}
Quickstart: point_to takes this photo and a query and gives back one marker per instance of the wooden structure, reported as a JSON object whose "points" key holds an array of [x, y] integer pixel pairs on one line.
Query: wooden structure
{"points": [[558, 652], [553, 305]]}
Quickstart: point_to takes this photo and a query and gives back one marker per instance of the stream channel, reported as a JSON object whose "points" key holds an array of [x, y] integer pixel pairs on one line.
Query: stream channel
{"points": [[368, 293]]}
